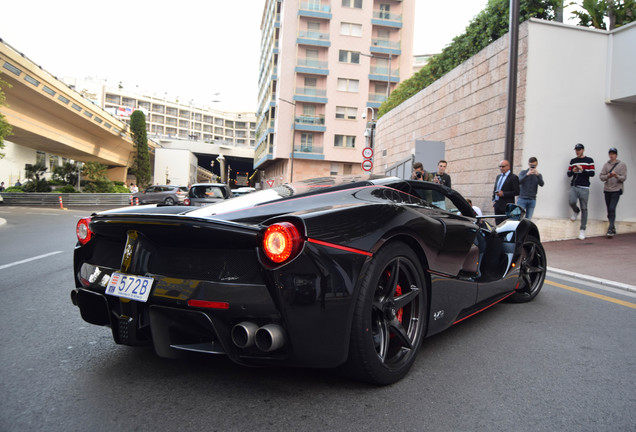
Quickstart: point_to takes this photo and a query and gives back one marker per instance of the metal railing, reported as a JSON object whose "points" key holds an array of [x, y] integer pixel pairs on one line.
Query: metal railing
{"points": [[68, 199]]}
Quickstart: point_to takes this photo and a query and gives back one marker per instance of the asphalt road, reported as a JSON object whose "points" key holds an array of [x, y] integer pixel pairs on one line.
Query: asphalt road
{"points": [[563, 362]]}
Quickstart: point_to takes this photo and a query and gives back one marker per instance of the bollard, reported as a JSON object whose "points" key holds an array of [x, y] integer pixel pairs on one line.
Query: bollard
{"points": [[131, 200], [137, 201], [61, 204]]}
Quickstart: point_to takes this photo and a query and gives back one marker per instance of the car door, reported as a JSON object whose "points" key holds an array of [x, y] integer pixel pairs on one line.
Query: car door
{"points": [[151, 195]]}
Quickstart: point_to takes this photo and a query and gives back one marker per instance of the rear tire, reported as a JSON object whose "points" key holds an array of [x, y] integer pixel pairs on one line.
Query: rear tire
{"points": [[532, 271], [169, 201], [389, 317]]}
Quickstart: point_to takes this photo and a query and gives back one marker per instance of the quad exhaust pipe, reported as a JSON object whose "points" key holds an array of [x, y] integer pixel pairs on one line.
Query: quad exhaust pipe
{"points": [[267, 338]]}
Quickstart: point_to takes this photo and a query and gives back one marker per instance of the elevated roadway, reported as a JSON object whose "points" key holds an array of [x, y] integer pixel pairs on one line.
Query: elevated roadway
{"points": [[47, 115]]}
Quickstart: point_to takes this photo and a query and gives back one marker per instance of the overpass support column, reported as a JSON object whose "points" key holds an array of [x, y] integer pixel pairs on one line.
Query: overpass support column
{"points": [[117, 174]]}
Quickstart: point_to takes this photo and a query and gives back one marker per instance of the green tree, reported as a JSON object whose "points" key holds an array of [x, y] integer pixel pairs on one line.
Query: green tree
{"points": [[5, 127], [141, 164], [594, 13], [38, 183], [488, 26], [67, 172], [95, 171]]}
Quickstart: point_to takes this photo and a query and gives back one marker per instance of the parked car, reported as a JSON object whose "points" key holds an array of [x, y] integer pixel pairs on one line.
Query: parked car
{"points": [[162, 194], [328, 272], [201, 194]]}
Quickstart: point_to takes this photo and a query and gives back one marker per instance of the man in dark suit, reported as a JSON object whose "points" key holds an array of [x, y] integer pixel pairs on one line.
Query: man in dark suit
{"points": [[505, 190]]}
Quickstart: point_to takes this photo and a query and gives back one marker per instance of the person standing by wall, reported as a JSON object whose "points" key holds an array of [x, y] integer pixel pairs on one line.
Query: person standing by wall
{"points": [[442, 178], [580, 170], [529, 181], [613, 174], [505, 190], [419, 173]]}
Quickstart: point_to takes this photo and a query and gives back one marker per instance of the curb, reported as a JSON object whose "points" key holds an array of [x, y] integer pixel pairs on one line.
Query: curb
{"points": [[604, 282]]}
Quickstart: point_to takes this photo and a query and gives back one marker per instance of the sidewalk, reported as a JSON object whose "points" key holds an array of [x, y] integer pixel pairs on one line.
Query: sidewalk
{"points": [[600, 259]]}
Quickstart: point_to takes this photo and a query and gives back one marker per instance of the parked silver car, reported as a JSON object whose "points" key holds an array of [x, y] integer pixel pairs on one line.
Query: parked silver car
{"points": [[201, 194], [162, 194]]}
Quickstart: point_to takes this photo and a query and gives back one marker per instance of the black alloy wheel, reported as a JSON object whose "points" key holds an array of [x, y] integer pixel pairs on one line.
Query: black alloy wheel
{"points": [[390, 316], [534, 266]]}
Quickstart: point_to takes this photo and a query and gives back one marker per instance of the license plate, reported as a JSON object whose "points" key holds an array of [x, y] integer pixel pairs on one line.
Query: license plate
{"points": [[129, 286]]}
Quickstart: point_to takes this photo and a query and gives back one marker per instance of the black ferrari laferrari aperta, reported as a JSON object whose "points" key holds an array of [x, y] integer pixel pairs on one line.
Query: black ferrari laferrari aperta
{"points": [[330, 272]]}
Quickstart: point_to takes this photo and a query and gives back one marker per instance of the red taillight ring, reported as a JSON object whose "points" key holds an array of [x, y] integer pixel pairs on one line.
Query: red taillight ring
{"points": [[281, 242], [83, 231]]}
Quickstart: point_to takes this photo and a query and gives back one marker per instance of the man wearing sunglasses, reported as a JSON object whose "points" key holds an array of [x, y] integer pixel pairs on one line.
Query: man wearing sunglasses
{"points": [[505, 190]]}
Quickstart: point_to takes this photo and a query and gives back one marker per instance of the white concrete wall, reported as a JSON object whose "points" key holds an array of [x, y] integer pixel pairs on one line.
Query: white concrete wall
{"points": [[12, 164], [566, 104], [622, 64], [181, 165], [562, 99]]}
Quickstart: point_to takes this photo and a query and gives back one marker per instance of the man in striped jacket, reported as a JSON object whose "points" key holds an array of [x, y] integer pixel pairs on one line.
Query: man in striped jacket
{"points": [[580, 170]]}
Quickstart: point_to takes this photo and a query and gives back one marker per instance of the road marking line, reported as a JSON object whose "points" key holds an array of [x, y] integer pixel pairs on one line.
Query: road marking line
{"points": [[591, 294], [28, 260]]}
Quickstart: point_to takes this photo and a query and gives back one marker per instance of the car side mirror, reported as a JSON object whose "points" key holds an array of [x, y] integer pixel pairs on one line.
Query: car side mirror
{"points": [[515, 212]]}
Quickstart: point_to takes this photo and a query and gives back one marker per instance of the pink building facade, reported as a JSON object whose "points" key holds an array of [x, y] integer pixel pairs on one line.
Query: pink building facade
{"points": [[326, 66]]}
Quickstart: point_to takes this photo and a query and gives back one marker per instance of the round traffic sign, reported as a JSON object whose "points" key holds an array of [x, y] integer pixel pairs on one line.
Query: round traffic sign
{"points": [[367, 165], [367, 152]]}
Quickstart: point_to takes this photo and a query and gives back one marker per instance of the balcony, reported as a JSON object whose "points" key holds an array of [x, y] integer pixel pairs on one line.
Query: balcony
{"points": [[308, 151], [310, 94], [385, 46], [313, 38], [386, 19], [310, 123], [378, 73], [312, 66], [315, 10]]}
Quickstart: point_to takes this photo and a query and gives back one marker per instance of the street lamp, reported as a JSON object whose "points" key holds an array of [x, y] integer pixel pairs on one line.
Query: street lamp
{"points": [[80, 165], [291, 167], [388, 78], [369, 132], [221, 160]]}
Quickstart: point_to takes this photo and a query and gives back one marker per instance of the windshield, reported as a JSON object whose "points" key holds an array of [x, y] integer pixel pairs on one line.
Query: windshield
{"points": [[305, 187]]}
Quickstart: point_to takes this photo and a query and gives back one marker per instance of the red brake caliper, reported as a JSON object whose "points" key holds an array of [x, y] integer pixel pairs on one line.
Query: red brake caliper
{"points": [[398, 292]]}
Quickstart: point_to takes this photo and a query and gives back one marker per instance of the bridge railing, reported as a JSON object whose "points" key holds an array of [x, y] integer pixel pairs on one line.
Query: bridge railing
{"points": [[68, 199]]}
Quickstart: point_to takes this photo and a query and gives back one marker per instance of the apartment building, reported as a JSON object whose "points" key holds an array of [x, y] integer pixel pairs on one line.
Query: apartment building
{"points": [[167, 119], [325, 68]]}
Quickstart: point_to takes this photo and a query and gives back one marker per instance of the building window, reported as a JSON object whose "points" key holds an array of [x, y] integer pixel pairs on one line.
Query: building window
{"points": [[348, 141], [306, 142], [349, 57], [352, 4], [385, 11], [349, 113], [129, 102], [40, 158], [54, 162], [309, 109], [334, 168], [348, 85], [350, 29]]}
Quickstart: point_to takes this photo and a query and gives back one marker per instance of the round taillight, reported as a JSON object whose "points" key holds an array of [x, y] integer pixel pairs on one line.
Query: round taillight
{"points": [[186, 201], [83, 231], [281, 242]]}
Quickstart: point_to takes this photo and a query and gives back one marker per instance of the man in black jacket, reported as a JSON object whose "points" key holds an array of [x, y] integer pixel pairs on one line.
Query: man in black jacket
{"points": [[505, 190], [580, 170]]}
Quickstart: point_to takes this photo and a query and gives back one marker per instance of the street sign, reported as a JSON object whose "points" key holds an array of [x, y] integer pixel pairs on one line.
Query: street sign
{"points": [[367, 152], [270, 183], [367, 165]]}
